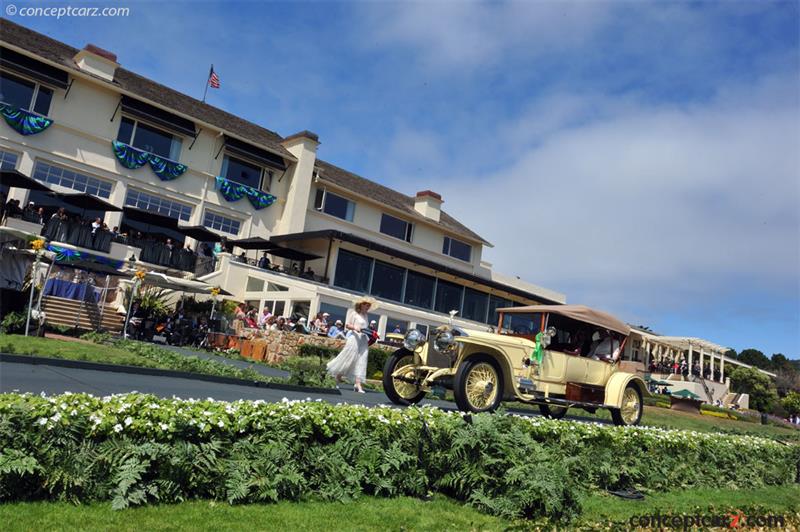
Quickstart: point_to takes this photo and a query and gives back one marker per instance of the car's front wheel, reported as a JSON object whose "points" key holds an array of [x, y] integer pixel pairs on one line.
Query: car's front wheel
{"points": [[630, 412], [553, 412], [400, 392], [478, 386]]}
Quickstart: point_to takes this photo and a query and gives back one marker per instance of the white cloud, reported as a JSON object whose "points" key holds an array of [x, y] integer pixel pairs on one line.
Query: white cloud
{"points": [[655, 204]]}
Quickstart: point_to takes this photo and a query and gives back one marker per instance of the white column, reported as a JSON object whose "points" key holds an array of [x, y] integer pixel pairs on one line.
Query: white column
{"points": [[722, 367], [701, 362], [689, 361], [711, 366]]}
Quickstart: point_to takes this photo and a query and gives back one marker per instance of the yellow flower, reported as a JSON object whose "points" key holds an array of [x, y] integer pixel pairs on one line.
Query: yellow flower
{"points": [[215, 291], [37, 244], [140, 274]]}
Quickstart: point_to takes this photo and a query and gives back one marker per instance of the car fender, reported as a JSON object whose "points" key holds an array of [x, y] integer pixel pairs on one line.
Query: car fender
{"points": [[496, 352], [616, 386]]}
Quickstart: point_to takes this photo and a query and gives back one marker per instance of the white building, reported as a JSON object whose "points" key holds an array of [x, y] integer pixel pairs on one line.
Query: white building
{"points": [[77, 121]]}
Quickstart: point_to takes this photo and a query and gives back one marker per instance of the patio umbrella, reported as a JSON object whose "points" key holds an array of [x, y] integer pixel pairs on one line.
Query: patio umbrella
{"points": [[15, 178], [255, 242], [86, 201], [179, 284], [686, 394], [199, 233], [150, 218], [292, 254]]}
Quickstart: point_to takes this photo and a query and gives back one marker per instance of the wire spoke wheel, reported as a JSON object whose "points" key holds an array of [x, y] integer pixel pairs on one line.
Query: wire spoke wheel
{"points": [[630, 406], [404, 389], [482, 385]]}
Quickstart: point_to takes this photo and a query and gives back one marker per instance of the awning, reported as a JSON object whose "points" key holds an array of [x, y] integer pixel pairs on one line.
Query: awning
{"points": [[179, 284], [10, 234], [199, 233], [15, 178], [86, 201], [255, 242], [90, 265], [258, 155], [27, 66], [292, 254], [159, 117], [150, 218]]}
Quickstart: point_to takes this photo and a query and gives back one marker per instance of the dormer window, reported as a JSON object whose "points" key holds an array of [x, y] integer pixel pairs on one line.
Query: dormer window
{"points": [[335, 205], [149, 138], [396, 227], [457, 249], [25, 94], [246, 173]]}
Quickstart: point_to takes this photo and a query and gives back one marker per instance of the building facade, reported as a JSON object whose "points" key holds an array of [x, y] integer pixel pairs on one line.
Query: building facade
{"points": [[78, 122]]}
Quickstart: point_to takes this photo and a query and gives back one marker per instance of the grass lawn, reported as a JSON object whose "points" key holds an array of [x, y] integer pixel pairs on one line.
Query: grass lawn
{"points": [[150, 356], [370, 513]]}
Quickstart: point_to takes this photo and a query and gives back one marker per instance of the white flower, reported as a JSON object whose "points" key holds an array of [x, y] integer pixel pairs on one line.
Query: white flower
{"points": [[163, 426], [42, 421], [117, 428], [220, 424], [128, 421]]}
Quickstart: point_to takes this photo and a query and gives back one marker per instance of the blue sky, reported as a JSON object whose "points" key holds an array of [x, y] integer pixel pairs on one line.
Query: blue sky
{"points": [[641, 158]]}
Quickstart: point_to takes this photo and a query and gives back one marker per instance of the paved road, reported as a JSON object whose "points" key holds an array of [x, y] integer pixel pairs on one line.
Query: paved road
{"points": [[241, 364], [16, 377]]}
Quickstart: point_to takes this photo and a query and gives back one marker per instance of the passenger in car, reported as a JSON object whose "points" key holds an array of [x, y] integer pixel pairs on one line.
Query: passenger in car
{"points": [[606, 349]]}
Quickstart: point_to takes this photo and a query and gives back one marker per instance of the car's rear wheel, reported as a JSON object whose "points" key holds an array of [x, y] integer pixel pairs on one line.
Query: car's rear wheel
{"points": [[553, 412], [400, 392], [478, 386], [630, 412]]}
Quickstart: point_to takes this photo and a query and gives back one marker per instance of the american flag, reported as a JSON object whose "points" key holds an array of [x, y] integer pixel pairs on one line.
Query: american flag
{"points": [[213, 79]]}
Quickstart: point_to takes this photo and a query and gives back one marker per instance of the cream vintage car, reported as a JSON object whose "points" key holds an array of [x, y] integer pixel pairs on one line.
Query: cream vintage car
{"points": [[554, 356]]}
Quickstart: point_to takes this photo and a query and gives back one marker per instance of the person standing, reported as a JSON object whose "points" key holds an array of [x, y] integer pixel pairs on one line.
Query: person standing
{"points": [[352, 359]]}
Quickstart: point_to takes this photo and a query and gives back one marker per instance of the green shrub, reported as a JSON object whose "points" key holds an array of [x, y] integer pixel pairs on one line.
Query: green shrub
{"points": [[377, 357], [307, 371], [136, 449], [14, 323]]}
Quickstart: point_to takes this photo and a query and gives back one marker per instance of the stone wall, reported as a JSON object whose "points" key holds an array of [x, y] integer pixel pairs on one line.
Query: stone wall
{"points": [[275, 346]]}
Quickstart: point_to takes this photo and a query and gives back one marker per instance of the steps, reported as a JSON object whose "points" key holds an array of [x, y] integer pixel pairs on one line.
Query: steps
{"points": [[71, 313]]}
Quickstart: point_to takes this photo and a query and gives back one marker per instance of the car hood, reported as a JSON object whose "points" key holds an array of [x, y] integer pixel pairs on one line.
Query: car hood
{"points": [[494, 338]]}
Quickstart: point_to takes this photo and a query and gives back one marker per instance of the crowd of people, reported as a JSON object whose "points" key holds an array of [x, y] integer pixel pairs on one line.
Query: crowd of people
{"points": [[681, 367]]}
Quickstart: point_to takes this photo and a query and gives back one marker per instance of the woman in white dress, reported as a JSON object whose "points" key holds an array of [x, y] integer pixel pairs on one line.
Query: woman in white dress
{"points": [[351, 362]]}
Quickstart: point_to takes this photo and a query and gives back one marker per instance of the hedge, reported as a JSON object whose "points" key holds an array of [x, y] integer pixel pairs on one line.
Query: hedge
{"points": [[375, 362], [137, 449]]}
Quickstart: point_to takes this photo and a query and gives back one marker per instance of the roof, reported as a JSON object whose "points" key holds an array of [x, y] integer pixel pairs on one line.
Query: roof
{"points": [[62, 54], [362, 186], [576, 312]]}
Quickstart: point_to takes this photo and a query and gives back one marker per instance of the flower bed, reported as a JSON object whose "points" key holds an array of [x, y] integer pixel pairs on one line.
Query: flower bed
{"points": [[136, 449]]}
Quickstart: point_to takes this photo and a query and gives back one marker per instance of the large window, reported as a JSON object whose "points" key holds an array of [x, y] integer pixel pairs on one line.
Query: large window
{"points": [[525, 324], [334, 205], [419, 290], [246, 173], [8, 160], [149, 202], [216, 221], [448, 297], [495, 303], [336, 312], [457, 249], [396, 227], [25, 94], [387, 281], [149, 138], [475, 305], [58, 175], [353, 271]]}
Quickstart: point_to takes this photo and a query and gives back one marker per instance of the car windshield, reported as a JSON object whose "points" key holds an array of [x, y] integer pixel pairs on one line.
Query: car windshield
{"points": [[521, 324]]}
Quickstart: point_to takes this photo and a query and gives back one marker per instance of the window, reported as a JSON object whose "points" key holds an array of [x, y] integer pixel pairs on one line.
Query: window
{"points": [[396, 227], [275, 307], [526, 324], [387, 281], [419, 290], [448, 296], [495, 303], [396, 325], [336, 312], [25, 94], [254, 284], [149, 202], [216, 221], [246, 173], [149, 138], [70, 179], [457, 249], [421, 327], [8, 160], [300, 308], [272, 287], [334, 205], [475, 305], [352, 271]]}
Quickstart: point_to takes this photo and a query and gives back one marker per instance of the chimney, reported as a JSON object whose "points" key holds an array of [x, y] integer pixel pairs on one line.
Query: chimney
{"points": [[428, 204], [97, 62]]}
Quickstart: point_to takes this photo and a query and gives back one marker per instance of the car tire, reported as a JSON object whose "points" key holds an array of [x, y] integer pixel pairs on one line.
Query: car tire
{"points": [[552, 411], [478, 386], [632, 407], [398, 392]]}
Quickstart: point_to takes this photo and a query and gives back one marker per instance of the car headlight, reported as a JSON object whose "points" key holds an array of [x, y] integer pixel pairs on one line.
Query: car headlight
{"points": [[444, 340], [413, 339]]}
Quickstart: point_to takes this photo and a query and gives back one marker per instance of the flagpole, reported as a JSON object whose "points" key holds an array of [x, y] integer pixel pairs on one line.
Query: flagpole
{"points": [[205, 92]]}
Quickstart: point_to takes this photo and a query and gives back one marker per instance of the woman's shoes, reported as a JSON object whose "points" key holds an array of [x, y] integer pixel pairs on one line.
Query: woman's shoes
{"points": [[360, 391]]}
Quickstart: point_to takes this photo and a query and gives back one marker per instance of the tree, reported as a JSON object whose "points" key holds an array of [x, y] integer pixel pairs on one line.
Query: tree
{"points": [[780, 362], [756, 358], [791, 403], [758, 386], [731, 353]]}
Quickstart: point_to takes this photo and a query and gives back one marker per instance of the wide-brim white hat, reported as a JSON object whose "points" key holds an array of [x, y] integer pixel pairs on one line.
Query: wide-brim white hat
{"points": [[365, 299]]}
